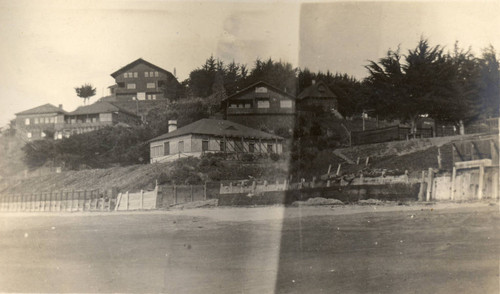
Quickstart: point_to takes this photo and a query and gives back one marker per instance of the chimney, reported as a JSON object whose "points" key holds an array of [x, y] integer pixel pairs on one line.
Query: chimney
{"points": [[60, 106], [175, 72], [314, 82], [172, 125]]}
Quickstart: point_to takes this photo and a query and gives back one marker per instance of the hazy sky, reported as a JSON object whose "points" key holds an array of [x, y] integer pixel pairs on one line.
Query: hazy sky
{"points": [[50, 47]]}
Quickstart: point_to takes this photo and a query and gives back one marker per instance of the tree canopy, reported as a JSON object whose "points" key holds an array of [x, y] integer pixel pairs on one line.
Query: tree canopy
{"points": [[85, 92]]}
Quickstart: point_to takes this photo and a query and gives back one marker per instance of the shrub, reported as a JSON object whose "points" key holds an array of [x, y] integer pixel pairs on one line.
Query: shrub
{"points": [[274, 156]]}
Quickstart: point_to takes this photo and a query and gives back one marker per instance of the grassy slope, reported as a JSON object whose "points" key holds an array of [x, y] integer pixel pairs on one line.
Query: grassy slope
{"points": [[413, 155]]}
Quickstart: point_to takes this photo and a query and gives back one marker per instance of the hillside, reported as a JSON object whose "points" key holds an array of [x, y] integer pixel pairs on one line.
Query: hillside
{"points": [[413, 155]]}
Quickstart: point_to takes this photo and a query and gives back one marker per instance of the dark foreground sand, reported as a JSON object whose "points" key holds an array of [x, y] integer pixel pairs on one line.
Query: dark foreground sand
{"points": [[444, 248]]}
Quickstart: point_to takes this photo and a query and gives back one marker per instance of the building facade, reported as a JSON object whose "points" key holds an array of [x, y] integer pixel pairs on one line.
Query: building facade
{"points": [[212, 136], [142, 80], [93, 117], [39, 122], [261, 106], [318, 95]]}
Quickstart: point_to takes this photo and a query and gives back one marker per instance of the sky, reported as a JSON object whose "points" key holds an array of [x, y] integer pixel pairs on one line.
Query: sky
{"points": [[50, 47]]}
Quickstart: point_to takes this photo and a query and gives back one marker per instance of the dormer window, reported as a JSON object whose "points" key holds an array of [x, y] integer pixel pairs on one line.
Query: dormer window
{"points": [[261, 90], [321, 89]]}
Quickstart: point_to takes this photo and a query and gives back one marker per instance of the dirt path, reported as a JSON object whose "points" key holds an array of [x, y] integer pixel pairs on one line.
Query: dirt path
{"points": [[444, 248]]}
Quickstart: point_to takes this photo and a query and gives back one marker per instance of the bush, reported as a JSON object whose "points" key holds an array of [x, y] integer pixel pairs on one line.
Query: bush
{"points": [[274, 156], [247, 157]]}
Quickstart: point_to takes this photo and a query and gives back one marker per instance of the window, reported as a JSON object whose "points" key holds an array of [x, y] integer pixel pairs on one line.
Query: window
{"points": [[29, 135], [204, 145], [27, 121], [251, 147], [94, 119], [105, 117], [156, 151], [47, 120], [135, 75], [157, 74], [233, 106], [247, 105], [51, 120], [150, 85], [261, 90], [154, 96], [222, 146], [130, 86], [43, 135], [269, 148], [87, 120], [146, 74], [37, 121], [263, 104], [151, 74], [166, 148], [125, 75], [181, 146], [286, 103]]}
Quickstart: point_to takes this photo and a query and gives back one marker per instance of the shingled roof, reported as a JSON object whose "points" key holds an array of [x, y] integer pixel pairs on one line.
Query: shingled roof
{"points": [[134, 63], [259, 83], [46, 108], [99, 107], [317, 90], [216, 127]]}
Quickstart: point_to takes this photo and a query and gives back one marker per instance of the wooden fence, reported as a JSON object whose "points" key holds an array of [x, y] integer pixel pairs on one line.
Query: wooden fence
{"points": [[135, 201], [81, 200]]}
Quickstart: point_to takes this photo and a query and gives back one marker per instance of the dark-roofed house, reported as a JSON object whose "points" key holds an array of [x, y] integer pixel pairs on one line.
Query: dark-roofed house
{"points": [[39, 122], [317, 95], [212, 135], [95, 116], [261, 106], [142, 80]]}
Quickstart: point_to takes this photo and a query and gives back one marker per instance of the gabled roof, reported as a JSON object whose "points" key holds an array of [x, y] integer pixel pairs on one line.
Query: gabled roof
{"points": [[216, 127], [46, 108], [134, 63], [99, 107], [317, 90], [260, 83]]}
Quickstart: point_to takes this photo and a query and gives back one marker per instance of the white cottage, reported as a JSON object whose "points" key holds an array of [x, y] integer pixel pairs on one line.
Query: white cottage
{"points": [[212, 135]]}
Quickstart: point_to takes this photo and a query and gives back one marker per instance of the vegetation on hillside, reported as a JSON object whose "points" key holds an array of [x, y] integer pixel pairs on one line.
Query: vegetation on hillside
{"points": [[447, 86]]}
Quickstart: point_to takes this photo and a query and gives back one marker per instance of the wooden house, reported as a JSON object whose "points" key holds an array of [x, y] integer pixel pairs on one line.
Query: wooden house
{"points": [[261, 106], [212, 135], [317, 95]]}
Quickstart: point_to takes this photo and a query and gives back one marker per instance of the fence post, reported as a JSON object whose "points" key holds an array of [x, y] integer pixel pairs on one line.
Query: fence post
{"points": [[481, 182], [127, 201], [452, 190], [192, 194], [142, 199], [430, 179], [338, 169], [205, 191], [422, 187], [175, 194]]}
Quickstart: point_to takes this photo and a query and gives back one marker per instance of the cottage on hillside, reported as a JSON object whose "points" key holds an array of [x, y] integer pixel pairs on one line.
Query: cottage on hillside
{"points": [[261, 106], [317, 95], [212, 135], [142, 80], [39, 122], [93, 117]]}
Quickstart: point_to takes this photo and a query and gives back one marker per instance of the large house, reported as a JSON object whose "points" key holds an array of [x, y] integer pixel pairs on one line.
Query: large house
{"points": [[142, 80], [93, 117], [212, 135], [317, 95], [261, 106], [39, 122]]}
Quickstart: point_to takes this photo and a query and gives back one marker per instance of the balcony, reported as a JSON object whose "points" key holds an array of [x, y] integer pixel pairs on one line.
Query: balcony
{"points": [[237, 111]]}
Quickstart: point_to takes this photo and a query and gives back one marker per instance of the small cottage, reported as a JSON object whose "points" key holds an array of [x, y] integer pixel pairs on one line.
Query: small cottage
{"points": [[317, 95], [211, 135]]}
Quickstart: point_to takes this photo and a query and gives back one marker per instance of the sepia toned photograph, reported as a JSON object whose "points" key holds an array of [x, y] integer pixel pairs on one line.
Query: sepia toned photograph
{"points": [[267, 146]]}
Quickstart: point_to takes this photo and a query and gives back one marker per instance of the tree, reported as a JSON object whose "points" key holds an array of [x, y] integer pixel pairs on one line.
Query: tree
{"points": [[425, 82], [85, 91], [489, 82]]}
